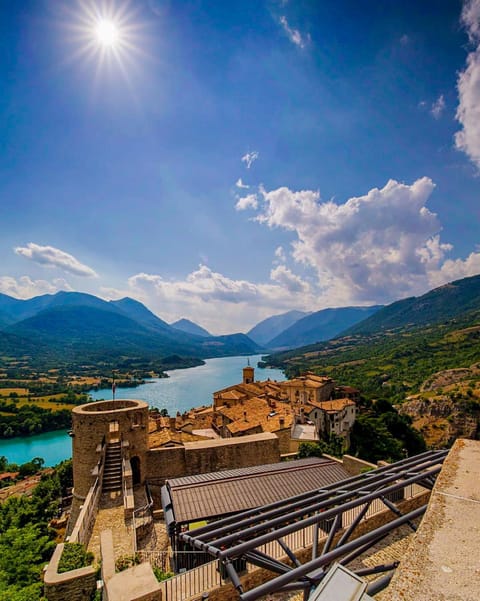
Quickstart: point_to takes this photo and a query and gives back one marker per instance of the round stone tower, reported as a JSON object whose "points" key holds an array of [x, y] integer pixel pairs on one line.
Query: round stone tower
{"points": [[108, 422]]}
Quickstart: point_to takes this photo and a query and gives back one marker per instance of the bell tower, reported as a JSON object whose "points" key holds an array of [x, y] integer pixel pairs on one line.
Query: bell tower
{"points": [[248, 374]]}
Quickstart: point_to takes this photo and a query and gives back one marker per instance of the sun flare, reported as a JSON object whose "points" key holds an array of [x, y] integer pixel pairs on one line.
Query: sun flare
{"points": [[107, 33]]}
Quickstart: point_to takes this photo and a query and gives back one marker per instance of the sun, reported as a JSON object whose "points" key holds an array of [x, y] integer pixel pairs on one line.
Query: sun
{"points": [[107, 33]]}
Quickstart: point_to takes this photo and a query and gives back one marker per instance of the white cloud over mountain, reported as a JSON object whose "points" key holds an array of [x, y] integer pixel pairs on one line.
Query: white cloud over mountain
{"points": [[49, 256], [220, 303], [378, 247], [468, 84], [25, 287]]}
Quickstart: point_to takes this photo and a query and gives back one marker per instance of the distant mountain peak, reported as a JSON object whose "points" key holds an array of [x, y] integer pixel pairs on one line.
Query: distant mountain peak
{"points": [[185, 325]]}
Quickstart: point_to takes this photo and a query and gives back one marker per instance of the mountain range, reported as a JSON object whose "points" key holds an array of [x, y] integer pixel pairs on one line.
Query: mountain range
{"points": [[392, 352], [319, 326], [75, 326]]}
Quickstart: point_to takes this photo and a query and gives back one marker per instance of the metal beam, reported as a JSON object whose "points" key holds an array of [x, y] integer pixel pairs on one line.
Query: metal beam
{"points": [[246, 518], [313, 569], [302, 523]]}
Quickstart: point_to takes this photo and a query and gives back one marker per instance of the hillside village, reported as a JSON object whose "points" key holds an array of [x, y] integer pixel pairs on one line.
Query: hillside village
{"points": [[307, 408]]}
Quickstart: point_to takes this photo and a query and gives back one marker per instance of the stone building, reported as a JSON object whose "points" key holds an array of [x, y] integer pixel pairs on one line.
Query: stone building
{"points": [[308, 388], [333, 417]]}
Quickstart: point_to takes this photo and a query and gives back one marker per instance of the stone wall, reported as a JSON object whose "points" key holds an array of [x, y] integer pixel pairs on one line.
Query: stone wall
{"points": [[76, 585], [90, 426], [211, 456], [355, 466]]}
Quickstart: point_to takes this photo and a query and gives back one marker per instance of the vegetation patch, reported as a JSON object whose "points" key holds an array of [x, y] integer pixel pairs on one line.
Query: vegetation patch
{"points": [[74, 556]]}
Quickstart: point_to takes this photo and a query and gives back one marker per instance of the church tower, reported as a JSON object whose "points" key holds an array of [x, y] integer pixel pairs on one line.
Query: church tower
{"points": [[248, 374]]}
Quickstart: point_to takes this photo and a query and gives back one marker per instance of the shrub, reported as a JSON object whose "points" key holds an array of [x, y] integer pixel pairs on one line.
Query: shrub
{"points": [[74, 556]]}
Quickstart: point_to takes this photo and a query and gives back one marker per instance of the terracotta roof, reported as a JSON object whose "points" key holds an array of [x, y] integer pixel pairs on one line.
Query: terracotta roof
{"points": [[309, 380], [258, 413], [166, 436], [334, 405], [221, 493]]}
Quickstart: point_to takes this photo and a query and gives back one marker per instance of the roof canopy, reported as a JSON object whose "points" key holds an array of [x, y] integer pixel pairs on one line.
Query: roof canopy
{"points": [[207, 496]]}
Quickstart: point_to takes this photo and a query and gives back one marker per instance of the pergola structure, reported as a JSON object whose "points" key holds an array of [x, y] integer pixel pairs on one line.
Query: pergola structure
{"points": [[248, 536]]}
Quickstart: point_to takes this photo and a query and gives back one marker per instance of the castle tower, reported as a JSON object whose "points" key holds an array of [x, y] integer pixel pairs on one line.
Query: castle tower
{"points": [[248, 375], [101, 423]]}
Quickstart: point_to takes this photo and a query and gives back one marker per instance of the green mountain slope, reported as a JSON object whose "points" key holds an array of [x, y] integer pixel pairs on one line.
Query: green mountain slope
{"points": [[394, 364], [77, 328], [438, 305], [392, 352]]}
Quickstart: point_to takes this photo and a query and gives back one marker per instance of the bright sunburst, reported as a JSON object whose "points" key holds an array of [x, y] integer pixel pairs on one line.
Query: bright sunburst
{"points": [[105, 33]]}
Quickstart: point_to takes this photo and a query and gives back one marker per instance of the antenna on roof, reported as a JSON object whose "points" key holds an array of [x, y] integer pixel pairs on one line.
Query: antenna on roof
{"points": [[248, 361]]}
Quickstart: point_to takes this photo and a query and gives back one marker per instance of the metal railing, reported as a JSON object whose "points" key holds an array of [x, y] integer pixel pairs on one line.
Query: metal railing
{"points": [[198, 579], [142, 516]]}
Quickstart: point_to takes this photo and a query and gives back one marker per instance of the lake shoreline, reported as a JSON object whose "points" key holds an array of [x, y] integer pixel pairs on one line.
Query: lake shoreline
{"points": [[183, 390]]}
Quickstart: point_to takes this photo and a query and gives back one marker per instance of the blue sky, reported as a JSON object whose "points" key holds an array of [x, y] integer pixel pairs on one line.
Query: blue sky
{"points": [[226, 161]]}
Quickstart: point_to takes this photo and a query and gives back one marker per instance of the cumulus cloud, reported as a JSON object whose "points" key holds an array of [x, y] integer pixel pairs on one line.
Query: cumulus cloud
{"points": [[247, 202], [293, 34], [25, 287], [249, 158], [241, 185], [216, 300], [468, 85], [288, 280], [49, 256], [373, 248], [438, 107], [471, 19]]}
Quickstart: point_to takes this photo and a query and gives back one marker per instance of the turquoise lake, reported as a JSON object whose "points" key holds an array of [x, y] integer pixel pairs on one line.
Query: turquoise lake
{"points": [[182, 390]]}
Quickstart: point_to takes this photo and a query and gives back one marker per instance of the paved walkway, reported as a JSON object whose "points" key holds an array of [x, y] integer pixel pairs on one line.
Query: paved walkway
{"points": [[111, 516]]}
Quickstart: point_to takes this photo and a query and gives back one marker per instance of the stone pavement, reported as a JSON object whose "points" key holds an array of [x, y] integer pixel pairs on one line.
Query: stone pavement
{"points": [[111, 516]]}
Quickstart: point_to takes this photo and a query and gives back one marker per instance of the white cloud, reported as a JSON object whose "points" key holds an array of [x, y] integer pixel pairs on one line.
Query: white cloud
{"points": [[293, 34], [471, 19], [240, 184], [24, 287], [250, 157], [374, 248], [247, 202], [438, 107], [468, 85], [48, 256], [404, 40], [288, 280], [217, 301], [280, 253]]}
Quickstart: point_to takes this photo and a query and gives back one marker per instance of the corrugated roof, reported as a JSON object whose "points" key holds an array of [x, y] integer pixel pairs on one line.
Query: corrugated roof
{"points": [[206, 496]]}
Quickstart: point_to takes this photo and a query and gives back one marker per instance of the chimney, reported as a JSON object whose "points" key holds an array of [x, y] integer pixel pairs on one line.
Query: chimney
{"points": [[282, 422], [173, 423], [245, 416]]}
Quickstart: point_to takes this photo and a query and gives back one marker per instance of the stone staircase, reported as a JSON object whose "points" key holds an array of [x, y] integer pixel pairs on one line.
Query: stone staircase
{"points": [[112, 473]]}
